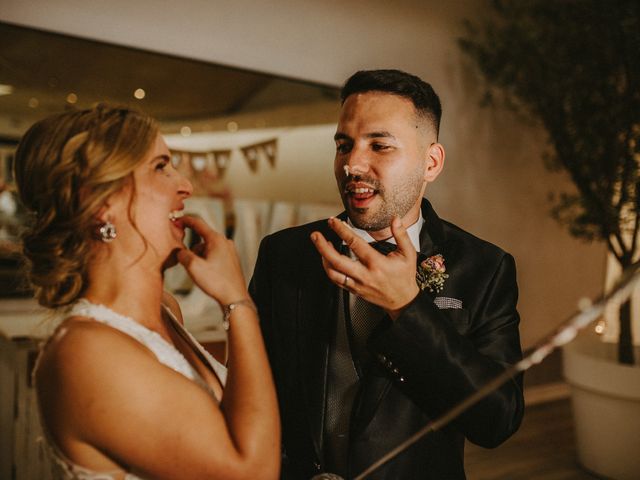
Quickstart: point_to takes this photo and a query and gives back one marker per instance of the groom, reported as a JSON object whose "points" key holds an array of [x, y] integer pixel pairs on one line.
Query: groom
{"points": [[365, 348]]}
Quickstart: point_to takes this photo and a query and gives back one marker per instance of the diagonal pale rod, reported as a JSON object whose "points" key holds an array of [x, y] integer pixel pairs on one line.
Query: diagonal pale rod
{"points": [[566, 332]]}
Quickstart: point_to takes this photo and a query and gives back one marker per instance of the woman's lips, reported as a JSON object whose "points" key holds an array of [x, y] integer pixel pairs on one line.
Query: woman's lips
{"points": [[179, 224], [175, 217], [176, 214]]}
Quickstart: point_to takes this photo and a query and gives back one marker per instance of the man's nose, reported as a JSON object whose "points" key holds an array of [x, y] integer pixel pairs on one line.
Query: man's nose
{"points": [[358, 161]]}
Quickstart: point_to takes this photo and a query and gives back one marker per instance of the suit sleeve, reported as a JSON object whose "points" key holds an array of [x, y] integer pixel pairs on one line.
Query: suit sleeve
{"points": [[260, 291], [437, 366]]}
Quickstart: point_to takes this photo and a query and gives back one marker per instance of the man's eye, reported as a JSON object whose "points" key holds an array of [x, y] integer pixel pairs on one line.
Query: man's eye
{"points": [[379, 147], [343, 148]]}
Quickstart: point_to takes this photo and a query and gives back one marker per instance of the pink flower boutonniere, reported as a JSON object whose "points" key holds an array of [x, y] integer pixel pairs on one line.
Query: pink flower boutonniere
{"points": [[431, 275]]}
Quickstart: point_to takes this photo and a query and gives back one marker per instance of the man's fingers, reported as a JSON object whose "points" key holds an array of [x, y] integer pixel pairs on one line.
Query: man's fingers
{"points": [[333, 259], [339, 278], [403, 241], [357, 245]]}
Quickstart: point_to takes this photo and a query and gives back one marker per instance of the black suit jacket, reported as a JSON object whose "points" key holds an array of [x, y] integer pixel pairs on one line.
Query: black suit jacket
{"points": [[427, 360]]}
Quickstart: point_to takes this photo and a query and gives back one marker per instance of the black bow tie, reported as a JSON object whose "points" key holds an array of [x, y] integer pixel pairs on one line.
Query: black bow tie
{"points": [[383, 247], [386, 248]]}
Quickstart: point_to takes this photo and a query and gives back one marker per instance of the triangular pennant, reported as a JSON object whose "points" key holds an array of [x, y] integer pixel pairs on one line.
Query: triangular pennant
{"points": [[270, 150], [222, 159], [251, 156]]}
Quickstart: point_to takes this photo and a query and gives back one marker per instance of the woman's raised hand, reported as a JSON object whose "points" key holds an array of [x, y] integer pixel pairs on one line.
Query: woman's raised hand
{"points": [[213, 264]]}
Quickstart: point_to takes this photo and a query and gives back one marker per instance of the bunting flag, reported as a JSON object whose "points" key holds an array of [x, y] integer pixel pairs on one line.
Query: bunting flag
{"points": [[267, 149], [271, 151], [216, 162], [222, 159], [251, 156]]}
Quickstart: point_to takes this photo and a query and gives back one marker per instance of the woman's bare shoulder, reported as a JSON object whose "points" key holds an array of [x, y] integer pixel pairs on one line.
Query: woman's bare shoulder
{"points": [[119, 386], [80, 347]]}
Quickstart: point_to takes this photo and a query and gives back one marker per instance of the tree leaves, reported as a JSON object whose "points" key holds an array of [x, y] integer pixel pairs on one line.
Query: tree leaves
{"points": [[575, 66]]}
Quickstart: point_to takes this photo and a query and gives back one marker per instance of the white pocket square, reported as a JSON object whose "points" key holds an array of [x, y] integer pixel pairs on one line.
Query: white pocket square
{"points": [[444, 303]]}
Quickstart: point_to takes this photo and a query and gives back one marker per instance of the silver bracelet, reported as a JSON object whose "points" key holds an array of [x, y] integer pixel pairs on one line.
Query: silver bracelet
{"points": [[227, 309]]}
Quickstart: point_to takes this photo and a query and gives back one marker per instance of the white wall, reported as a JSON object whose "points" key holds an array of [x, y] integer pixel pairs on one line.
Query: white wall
{"points": [[319, 40], [494, 183]]}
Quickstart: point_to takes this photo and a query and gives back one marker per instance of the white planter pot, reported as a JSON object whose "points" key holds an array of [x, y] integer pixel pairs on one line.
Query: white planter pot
{"points": [[606, 407]]}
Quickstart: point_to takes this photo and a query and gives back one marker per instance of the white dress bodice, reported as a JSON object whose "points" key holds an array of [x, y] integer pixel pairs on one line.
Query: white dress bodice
{"points": [[165, 352]]}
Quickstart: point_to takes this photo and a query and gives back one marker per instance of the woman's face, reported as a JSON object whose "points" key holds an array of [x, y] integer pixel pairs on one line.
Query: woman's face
{"points": [[160, 191]]}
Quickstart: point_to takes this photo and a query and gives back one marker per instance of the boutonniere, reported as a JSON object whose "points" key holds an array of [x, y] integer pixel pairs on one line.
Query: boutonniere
{"points": [[431, 275]]}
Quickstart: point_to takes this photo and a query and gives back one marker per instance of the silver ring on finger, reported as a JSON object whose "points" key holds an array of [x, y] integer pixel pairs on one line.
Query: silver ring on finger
{"points": [[346, 280]]}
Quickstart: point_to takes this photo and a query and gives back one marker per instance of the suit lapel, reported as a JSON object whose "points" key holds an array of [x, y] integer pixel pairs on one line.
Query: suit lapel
{"points": [[316, 321], [432, 237]]}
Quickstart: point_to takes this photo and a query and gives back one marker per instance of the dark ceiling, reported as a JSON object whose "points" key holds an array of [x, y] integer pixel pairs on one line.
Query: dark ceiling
{"points": [[43, 69]]}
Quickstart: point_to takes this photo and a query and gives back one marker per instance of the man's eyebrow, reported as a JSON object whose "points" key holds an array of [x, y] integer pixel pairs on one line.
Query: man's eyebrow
{"points": [[381, 134]]}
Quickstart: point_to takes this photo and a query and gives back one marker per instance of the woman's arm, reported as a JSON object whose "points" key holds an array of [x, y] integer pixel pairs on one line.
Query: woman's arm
{"points": [[249, 403], [124, 405]]}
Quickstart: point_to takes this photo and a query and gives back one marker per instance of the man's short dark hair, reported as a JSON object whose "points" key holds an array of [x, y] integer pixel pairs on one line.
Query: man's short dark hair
{"points": [[397, 82]]}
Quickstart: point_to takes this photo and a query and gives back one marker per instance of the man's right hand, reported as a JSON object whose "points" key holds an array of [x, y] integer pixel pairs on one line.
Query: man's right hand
{"points": [[388, 281]]}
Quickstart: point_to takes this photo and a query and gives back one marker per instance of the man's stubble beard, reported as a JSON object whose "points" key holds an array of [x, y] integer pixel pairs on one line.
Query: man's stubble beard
{"points": [[396, 201]]}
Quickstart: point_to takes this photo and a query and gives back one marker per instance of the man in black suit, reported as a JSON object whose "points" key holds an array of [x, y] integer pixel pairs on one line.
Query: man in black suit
{"points": [[367, 348]]}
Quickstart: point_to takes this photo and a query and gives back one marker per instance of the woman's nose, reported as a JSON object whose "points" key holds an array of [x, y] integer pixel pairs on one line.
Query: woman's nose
{"points": [[185, 188]]}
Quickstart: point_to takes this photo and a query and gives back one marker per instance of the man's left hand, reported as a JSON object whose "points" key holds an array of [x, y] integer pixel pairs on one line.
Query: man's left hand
{"points": [[388, 281]]}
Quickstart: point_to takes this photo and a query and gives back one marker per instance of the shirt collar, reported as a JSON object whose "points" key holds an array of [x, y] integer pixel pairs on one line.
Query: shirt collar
{"points": [[413, 231]]}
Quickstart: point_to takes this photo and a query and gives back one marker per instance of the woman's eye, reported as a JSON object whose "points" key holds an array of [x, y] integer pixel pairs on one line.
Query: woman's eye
{"points": [[161, 165]]}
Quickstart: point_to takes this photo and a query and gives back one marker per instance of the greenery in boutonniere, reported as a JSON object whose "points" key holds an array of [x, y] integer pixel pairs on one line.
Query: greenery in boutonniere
{"points": [[431, 275]]}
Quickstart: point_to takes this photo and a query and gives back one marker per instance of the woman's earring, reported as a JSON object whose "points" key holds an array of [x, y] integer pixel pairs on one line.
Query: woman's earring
{"points": [[107, 232]]}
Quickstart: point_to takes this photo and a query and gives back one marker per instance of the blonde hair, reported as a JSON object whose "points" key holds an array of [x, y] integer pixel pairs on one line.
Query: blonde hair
{"points": [[66, 166]]}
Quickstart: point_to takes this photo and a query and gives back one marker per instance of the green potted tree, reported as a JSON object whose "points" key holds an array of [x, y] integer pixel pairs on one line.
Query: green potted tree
{"points": [[574, 67]]}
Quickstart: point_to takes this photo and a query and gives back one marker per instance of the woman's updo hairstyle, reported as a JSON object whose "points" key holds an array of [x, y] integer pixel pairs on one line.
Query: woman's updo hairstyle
{"points": [[66, 166]]}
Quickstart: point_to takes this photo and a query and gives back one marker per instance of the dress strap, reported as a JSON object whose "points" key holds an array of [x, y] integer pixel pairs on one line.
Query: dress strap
{"points": [[218, 369], [166, 353]]}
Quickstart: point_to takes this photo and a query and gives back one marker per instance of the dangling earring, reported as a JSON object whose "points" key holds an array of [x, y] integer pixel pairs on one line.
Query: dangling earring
{"points": [[107, 232]]}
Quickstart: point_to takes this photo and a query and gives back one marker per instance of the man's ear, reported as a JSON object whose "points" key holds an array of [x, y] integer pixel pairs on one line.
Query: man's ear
{"points": [[435, 162]]}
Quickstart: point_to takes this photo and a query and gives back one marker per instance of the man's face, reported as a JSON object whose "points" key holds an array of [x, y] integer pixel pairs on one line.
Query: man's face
{"points": [[384, 144]]}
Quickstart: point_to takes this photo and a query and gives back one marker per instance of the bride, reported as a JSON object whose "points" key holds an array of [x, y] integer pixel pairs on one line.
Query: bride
{"points": [[124, 390]]}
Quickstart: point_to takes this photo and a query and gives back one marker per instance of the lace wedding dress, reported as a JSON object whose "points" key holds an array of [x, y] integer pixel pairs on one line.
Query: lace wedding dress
{"points": [[167, 354]]}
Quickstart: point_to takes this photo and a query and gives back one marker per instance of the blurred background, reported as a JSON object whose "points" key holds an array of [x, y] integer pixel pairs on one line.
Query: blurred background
{"points": [[246, 93]]}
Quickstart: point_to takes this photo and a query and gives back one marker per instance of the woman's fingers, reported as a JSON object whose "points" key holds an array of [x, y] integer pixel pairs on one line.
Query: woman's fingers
{"points": [[185, 257], [200, 227]]}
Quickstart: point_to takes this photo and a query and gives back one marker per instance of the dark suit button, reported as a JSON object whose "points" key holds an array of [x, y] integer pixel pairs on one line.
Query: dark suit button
{"points": [[401, 379], [316, 465], [396, 371], [382, 358]]}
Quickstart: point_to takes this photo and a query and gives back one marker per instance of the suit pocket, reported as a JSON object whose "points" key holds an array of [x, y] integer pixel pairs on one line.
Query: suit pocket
{"points": [[459, 318]]}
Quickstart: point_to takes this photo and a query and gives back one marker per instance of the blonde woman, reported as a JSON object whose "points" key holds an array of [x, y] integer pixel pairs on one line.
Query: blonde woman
{"points": [[124, 390]]}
